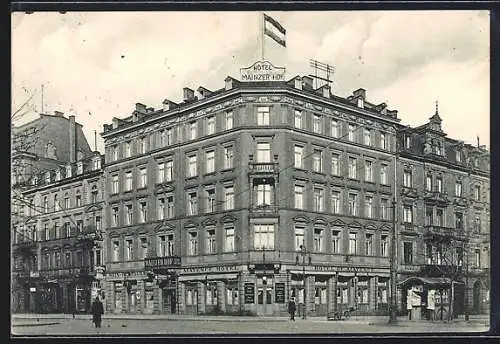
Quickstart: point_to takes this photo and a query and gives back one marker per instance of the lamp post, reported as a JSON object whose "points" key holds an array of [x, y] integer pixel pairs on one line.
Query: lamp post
{"points": [[303, 254]]}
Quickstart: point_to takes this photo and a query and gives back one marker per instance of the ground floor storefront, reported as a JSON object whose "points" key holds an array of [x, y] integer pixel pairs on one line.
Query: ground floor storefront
{"points": [[248, 290]]}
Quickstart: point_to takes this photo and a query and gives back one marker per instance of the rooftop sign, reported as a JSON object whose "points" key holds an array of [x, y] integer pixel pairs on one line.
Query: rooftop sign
{"points": [[262, 71]]}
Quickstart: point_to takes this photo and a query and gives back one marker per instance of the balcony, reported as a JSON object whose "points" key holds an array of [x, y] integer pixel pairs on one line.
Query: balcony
{"points": [[436, 197], [460, 201], [408, 228], [439, 232], [409, 192], [263, 169], [264, 210], [89, 234]]}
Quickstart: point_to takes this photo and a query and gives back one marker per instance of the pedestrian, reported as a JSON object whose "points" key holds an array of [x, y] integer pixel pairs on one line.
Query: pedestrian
{"points": [[97, 312], [292, 308]]}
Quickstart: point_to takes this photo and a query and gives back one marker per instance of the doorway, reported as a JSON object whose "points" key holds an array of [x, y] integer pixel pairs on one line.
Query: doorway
{"points": [[132, 301], [169, 301], [476, 297], [265, 297]]}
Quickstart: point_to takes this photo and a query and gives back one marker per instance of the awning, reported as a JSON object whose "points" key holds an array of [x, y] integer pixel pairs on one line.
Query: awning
{"points": [[208, 277], [431, 281]]}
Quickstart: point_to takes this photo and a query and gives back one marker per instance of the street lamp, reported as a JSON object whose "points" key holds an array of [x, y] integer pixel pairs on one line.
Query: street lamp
{"points": [[303, 254]]}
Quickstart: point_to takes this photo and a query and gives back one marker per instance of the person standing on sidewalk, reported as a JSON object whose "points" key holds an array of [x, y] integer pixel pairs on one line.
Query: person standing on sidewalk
{"points": [[292, 308], [97, 312]]}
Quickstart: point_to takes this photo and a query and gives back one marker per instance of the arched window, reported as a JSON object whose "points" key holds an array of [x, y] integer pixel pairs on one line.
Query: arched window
{"points": [[94, 194], [46, 204]]}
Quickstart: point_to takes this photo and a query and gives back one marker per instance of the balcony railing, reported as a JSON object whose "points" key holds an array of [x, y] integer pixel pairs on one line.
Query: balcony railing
{"points": [[409, 192], [433, 231], [89, 233], [436, 197], [263, 209], [263, 167], [460, 201], [408, 228]]}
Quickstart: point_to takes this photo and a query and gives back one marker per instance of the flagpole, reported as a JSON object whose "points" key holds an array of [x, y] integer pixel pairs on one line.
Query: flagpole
{"points": [[262, 28]]}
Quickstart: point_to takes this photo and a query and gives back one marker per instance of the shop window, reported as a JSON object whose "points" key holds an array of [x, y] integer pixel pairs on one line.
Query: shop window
{"points": [[232, 295]]}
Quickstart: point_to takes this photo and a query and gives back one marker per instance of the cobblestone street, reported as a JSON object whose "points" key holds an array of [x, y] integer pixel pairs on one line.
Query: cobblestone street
{"points": [[253, 326]]}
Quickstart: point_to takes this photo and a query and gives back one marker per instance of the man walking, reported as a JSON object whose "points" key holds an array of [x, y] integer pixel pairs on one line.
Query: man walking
{"points": [[97, 312], [292, 308]]}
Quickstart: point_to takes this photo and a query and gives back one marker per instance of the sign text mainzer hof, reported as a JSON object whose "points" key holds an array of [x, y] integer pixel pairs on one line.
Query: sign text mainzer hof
{"points": [[262, 71]]}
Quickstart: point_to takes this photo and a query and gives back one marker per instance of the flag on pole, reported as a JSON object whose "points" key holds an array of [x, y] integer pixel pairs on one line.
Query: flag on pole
{"points": [[274, 30]]}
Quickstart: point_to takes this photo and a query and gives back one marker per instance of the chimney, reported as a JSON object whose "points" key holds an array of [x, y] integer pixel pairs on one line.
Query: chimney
{"points": [[229, 83], [58, 113], [325, 91], [140, 107], [72, 139], [360, 93], [188, 94], [115, 122], [298, 83], [168, 105], [203, 92]]}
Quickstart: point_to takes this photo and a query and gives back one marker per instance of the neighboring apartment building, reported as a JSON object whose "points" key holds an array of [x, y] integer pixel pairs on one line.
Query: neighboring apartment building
{"points": [[236, 200], [444, 199], [56, 220]]}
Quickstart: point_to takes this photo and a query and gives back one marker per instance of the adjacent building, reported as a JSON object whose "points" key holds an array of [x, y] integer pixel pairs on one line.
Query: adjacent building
{"points": [[56, 220]]}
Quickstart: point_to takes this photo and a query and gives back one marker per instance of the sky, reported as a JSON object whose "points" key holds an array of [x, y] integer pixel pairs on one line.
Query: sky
{"points": [[97, 65]]}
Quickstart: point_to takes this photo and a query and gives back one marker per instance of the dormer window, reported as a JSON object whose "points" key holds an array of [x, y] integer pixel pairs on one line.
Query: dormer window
{"points": [[68, 171], [79, 167], [58, 175], [458, 156], [361, 103], [47, 177], [407, 141], [97, 163]]}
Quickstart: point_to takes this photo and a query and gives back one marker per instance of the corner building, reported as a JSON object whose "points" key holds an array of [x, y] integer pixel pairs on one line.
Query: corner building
{"points": [[235, 200]]}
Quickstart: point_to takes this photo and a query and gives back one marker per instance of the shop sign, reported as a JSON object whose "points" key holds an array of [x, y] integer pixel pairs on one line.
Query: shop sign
{"points": [[32, 289], [249, 292], [162, 262], [210, 269], [131, 275], [280, 292], [262, 71], [355, 269]]}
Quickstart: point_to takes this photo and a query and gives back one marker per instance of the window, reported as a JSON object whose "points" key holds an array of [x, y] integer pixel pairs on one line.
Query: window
{"points": [[192, 166], [299, 236], [193, 243], [116, 250], [317, 160], [161, 172], [383, 174], [232, 295], [353, 243], [460, 256], [57, 206], [129, 249], [128, 181], [335, 164], [407, 141], [166, 244], [383, 143], [144, 248], [160, 209], [67, 229], [458, 156], [429, 214], [477, 192], [336, 240], [192, 130], [210, 125], [57, 230], [263, 237], [263, 152], [408, 253], [210, 158], [210, 199], [336, 202], [318, 239], [170, 207], [229, 120], [228, 157], [298, 119], [383, 245], [439, 182], [369, 171], [352, 168], [47, 261], [428, 182], [114, 216], [263, 115], [317, 124], [264, 194], [98, 223], [351, 134], [335, 128], [367, 138], [459, 221], [143, 145], [45, 204], [369, 206], [169, 170], [353, 204], [407, 214], [299, 196], [143, 177], [93, 194], [440, 217], [67, 259], [192, 203], [114, 184], [128, 149], [458, 189], [67, 204], [384, 209], [477, 223], [79, 226], [228, 198], [143, 212], [210, 243], [407, 179], [298, 150], [319, 199], [229, 238], [129, 214], [369, 244], [477, 257], [114, 153]]}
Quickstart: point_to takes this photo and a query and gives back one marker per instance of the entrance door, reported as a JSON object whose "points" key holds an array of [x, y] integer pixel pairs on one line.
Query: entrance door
{"points": [[169, 301], [476, 297], [265, 298], [132, 301]]}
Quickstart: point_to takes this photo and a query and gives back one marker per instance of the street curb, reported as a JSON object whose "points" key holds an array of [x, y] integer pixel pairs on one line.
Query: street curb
{"points": [[35, 324]]}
